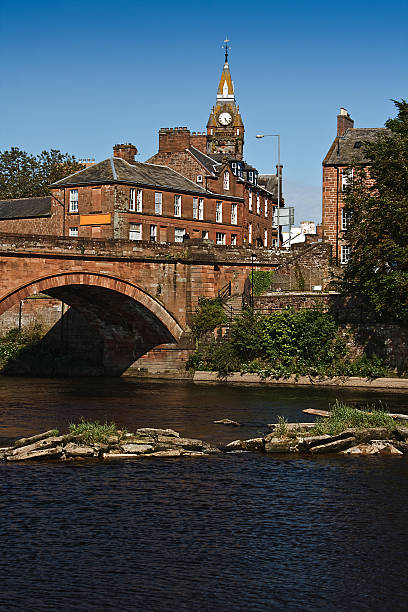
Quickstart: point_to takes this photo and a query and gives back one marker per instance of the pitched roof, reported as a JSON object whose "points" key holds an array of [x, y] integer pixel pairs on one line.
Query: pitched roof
{"points": [[25, 208], [205, 160], [269, 182], [117, 170], [350, 147]]}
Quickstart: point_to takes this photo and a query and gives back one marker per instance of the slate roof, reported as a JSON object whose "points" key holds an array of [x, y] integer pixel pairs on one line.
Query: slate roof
{"points": [[25, 208], [209, 163], [117, 170], [350, 147], [269, 182]]}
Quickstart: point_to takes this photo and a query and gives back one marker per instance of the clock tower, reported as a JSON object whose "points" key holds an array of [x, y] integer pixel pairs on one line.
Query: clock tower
{"points": [[225, 130]]}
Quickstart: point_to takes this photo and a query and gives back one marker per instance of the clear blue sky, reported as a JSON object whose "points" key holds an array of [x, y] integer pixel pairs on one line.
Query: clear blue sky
{"points": [[82, 76]]}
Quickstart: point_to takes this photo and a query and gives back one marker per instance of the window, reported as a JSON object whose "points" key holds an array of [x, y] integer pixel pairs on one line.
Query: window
{"points": [[218, 212], [233, 239], [158, 205], [139, 201], [153, 233], [226, 180], [266, 208], [195, 208], [234, 214], [135, 231], [178, 234], [199, 178], [177, 206], [274, 242], [345, 219], [237, 131], [204, 235], [73, 200], [250, 200], [234, 167], [132, 200], [251, 177], [345, 253], [266, 238], [258, 204], [346, 178], [219, 238], [201, 209], [73, 231], [250, 233]]}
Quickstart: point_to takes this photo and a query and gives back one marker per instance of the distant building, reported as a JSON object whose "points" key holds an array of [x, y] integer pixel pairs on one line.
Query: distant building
{"points": [[347, 148], [300, 234]]}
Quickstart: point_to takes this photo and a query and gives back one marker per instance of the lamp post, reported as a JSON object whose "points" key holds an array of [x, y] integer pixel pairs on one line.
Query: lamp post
{"points": [[253, 256], [279, 174]]}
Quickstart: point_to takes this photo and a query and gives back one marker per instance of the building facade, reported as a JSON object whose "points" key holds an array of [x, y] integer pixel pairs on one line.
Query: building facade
{"points": [[346, 149], [214, 159]]}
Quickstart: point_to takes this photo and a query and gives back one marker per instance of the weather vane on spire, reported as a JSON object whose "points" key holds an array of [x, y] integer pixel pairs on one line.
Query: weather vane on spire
{"points": [[226, 47]]}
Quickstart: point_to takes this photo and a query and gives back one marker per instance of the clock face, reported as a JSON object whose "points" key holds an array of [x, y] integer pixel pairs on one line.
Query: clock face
{"points": [[225, 118]]}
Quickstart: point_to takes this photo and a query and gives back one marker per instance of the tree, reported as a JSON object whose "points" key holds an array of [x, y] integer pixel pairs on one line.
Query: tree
{"points": [[23, 175], [377, 202]]}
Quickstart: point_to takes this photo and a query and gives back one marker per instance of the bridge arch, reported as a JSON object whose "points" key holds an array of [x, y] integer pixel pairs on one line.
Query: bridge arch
{"points": [[126, 319]]}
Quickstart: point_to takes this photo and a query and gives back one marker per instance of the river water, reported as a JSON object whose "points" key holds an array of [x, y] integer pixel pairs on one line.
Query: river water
{"points": [[237, 532]]}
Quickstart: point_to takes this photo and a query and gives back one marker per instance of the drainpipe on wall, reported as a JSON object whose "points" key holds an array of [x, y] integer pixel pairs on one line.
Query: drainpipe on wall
{"points": [[337, 219]]}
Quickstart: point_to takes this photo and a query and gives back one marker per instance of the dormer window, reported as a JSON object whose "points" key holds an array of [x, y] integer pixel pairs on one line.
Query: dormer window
{"points": [[199, 178], [226, 180], [251, 177]]}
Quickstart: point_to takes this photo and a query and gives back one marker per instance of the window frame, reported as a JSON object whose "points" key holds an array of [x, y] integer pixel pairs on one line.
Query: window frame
{"points": [[73, 201], [218, 211], [158, 203], [178, 235], [133, 231], [195, 208], [75, 231], [220, 238], [234, 214], [201, 209], [132, 199], [177, 205], [345, 253]]}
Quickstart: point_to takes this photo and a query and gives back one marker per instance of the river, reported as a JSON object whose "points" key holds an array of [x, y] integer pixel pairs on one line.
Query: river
{"points": [[237, 532]]}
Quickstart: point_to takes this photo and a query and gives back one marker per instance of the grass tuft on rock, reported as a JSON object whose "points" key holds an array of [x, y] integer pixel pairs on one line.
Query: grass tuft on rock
{"points": [[93, 432], [343, 416]]}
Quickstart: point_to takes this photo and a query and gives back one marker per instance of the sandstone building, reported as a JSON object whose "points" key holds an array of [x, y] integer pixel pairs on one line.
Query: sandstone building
{"points": [[346, 149]]}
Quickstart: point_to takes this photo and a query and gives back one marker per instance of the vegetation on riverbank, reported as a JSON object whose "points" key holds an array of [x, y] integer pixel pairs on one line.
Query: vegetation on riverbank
{"points": [[304, 342]]}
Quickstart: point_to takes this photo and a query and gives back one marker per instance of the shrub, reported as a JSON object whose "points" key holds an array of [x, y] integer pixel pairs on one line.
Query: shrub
{"points": [[209, 315], [262, 280]]}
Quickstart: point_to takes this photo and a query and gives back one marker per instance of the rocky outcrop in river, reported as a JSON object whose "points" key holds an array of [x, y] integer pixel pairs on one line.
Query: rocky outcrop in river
{"points": [[145, 442], [353, 441]]}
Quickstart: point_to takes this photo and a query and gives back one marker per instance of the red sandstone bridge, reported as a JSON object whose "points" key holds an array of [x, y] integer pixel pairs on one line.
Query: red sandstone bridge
{"points": [[133, 296]]}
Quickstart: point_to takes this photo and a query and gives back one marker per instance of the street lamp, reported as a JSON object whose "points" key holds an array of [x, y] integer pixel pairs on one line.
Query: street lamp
{"points": [[279, 173], [253, 256]]}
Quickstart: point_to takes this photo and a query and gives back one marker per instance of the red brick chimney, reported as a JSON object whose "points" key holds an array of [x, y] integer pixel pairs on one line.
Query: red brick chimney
{"points": [[344, 122], [199, 141], [125, 151], [174, 139]]}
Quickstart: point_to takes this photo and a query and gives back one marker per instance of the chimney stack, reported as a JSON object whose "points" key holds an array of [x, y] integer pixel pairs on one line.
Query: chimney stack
{"points": [[174, 139], [125, 151], [344, 122]]}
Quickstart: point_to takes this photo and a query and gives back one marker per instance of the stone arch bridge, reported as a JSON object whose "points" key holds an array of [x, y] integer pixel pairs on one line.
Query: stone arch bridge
{"points": [[133, 297]]}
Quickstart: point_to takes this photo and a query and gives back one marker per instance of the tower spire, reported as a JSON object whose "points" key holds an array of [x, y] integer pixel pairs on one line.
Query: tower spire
{"points": [[226, 47]]}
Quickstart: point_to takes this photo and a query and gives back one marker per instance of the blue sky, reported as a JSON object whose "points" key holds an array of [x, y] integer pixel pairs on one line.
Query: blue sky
{"points": [[81, 77]]}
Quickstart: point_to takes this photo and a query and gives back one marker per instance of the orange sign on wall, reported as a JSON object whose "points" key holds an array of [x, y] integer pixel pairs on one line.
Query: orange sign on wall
{"points": [[94, 219]]}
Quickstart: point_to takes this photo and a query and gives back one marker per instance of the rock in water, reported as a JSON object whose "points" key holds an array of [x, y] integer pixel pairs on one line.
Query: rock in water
{"points": [[227, 422]]}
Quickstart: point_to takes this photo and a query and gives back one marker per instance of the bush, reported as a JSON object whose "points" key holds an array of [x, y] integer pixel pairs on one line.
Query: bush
{"points": [[262, 280], [209, 315]]}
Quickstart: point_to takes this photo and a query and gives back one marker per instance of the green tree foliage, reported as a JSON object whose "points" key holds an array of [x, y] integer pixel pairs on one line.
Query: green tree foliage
{"points": [[377, 232], [262, 280], [304, 342], [23, 175], [209, 315]]}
